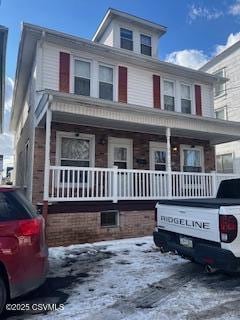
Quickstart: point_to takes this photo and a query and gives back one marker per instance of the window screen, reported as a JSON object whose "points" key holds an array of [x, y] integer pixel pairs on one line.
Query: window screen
{"points": [[109, 218]]}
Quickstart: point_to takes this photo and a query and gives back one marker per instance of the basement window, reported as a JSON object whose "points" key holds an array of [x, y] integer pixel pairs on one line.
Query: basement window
{"points": [[110, 218]]}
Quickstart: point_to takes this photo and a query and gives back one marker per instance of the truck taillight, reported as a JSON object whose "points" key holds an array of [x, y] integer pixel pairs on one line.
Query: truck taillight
{"points": [[228, 228], [155, 215]]}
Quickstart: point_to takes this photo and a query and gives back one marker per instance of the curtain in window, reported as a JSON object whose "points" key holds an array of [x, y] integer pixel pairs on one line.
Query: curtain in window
{"points": [[168, 88], [105, 74], [82, 69], [75, 149], [185, 92], [192, 158]]}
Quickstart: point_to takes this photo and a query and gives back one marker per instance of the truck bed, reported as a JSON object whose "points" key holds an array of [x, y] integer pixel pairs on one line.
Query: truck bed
{"points": [[202, 203]]}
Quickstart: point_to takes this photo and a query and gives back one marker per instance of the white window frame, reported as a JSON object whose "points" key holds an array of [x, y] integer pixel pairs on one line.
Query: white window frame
{"points": [[114, 79], [174, 92], [120, 142], [224, 84], [140, 43], [225, 112], [155, 146], [75, 135], [189, 147], [191, 96], [72, 72], [126, 28]]}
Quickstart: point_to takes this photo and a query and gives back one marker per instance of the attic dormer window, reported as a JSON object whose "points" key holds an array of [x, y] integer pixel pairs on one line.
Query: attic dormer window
{"points": [[126, 39], [146, 45]]}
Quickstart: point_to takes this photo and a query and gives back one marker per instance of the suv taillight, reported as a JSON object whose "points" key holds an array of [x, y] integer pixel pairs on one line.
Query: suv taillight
{"points": [[228, 228], [30, 227]]}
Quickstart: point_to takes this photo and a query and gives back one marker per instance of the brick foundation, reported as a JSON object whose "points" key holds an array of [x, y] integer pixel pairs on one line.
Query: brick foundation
{"points": [[73, 228]]}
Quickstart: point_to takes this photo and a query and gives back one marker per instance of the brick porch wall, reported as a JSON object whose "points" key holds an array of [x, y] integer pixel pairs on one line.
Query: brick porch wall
{"points": [[71, 228], [140, 150]]}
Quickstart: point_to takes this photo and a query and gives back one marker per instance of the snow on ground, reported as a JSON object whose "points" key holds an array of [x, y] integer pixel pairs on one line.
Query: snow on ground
{"points": [[131, 279]]}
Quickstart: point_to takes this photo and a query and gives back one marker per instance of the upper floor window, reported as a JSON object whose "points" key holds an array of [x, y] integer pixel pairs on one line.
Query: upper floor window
{"points": [[169, 96], [221, 113], [186, 101], [106, 82], [219, 87], [225, 163], [126, 39], [146, 46], [82, 77]]}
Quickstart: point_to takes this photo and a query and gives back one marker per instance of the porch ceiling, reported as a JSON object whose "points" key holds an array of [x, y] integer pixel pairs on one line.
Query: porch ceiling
{"points": [[135, 127], [70, 108]]}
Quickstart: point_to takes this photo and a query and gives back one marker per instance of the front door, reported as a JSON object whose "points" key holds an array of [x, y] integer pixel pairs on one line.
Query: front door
{"points": [[157, 154], [120, 153]]}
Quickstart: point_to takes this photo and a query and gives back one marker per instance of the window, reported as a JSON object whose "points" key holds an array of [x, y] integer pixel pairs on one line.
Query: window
{"points": [[160, 160], [186, 102], [219, 87], [225, 163], [14, 206], [126, 39], [105, 82], [221, 113], [109, 218], [82, 77], [75, 150], [192, 159], [146, 47], [120, 157], [169, 96]]}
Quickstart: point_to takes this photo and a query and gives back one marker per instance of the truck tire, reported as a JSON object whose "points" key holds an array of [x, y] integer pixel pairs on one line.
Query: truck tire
{"points": [[3, 295]]}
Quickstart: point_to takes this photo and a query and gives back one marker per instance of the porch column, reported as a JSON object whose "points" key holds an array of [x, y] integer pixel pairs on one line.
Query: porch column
{"points": [[47, 160], [168, 163]]}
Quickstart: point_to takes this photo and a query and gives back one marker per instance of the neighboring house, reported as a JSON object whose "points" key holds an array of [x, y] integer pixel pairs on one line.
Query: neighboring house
{"points": [[3, 46], [103, 128], [227, 103]]}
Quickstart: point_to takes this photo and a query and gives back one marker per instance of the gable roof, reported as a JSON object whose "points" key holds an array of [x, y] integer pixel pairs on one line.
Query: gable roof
{"points": [[3, 46], [224, 54], [112, 13]]}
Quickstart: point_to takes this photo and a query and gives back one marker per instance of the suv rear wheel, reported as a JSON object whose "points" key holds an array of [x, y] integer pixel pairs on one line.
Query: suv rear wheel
{"points": [[3, 295]]}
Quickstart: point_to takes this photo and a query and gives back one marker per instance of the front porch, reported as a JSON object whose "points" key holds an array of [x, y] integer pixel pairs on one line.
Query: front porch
{"points": [[105, 151], [113, 184]]}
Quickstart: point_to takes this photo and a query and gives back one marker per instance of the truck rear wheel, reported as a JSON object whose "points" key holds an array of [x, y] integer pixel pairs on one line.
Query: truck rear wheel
{"points": [[3, 295]]}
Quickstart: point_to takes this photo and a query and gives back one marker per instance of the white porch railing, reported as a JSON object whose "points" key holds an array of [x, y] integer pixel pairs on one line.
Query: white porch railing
{"points": [[82, 184]]}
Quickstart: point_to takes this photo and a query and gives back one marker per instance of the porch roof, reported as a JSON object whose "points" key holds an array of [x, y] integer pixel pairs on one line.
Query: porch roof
{"points": [[90, 111]]}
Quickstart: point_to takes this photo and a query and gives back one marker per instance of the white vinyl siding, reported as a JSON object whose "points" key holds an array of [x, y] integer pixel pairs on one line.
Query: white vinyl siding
{"points": [[140, 82], [140, 87]]}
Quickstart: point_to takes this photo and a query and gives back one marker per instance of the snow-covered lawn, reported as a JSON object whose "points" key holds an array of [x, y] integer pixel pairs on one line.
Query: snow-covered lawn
{"points": [[131, 279]]}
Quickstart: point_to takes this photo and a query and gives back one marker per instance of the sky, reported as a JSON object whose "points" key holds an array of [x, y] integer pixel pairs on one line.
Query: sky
{"points": [[197, 31]]}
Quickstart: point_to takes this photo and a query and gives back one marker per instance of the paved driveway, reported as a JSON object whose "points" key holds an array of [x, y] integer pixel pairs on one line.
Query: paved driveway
{"points": [[128, 279]]}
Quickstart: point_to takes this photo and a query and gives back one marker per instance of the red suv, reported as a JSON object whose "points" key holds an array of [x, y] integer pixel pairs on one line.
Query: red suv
{"points": [[23, 249]]}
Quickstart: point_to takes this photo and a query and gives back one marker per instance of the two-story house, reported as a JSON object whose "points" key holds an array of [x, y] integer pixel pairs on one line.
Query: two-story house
{"points": [[226, 103], [103, 128]]}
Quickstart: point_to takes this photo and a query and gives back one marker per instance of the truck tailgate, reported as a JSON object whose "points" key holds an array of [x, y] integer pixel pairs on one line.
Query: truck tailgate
{"points": [[200, 222]]}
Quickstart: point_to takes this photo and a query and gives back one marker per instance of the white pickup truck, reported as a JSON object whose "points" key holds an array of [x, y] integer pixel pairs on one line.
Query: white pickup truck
{"points": [[203, 230]]}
